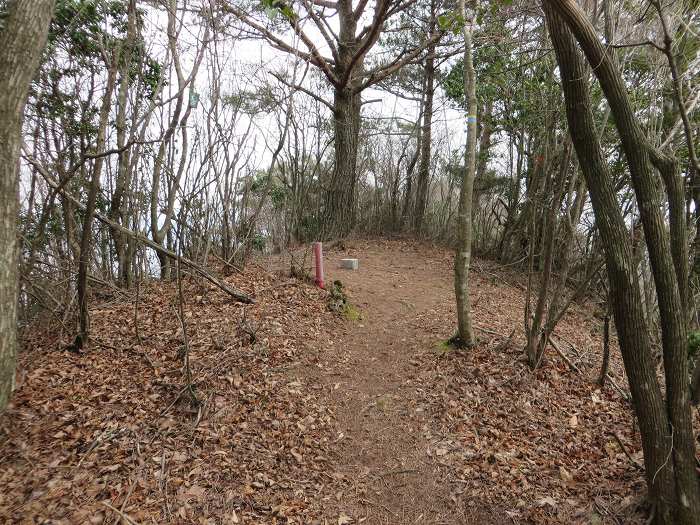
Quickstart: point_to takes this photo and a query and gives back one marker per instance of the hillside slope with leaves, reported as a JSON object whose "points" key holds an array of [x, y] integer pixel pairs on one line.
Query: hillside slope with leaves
{"points": [[305, 415], [109, 433]]}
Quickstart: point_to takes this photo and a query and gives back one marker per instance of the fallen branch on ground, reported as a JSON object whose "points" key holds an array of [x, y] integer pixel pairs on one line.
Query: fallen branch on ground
{"points": [[487, 331], [624, 449], [563, 356], [568, 361]]}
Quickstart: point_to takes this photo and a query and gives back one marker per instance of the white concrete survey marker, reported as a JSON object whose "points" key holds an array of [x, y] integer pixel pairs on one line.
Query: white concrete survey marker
{"points": [[349, 264]]}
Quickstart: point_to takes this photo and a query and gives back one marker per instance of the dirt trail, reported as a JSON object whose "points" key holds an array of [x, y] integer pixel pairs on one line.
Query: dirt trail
{"points": [[391, 469], [319, 419], [427, 435]]}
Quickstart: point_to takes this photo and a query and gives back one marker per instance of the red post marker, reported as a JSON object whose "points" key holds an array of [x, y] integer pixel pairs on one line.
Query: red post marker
{"points": [[318, 256]]}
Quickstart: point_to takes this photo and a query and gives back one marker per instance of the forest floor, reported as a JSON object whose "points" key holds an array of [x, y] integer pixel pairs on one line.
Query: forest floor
{"points": [[307, 416]]}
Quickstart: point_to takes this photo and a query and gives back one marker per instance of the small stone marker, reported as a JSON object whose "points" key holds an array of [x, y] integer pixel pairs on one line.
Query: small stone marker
{"points": [[349, 264]]}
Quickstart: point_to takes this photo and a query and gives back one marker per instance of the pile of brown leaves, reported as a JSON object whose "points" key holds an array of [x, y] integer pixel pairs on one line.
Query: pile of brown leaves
{"points": [[113, 434], [542, 447]]}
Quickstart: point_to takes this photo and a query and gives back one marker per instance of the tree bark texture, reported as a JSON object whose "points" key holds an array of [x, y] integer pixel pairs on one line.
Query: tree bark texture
{"points": [[340, 199], [463, 253], [425, 143], [671, 490], [21, 43]]}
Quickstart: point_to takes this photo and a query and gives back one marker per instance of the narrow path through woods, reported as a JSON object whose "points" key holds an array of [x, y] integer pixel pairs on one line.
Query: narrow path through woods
{"points": [[309, 417], [390, 467]]}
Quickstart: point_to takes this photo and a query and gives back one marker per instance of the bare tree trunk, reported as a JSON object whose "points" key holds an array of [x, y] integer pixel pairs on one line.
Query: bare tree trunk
{"points": [[667, 457], [426, 133], [463, 255], [21, 43], [86, 238], [117, 211]]}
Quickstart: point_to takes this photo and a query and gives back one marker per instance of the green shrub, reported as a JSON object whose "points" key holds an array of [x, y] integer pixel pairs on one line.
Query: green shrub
{"points": [[693, 344], [258, 242]]}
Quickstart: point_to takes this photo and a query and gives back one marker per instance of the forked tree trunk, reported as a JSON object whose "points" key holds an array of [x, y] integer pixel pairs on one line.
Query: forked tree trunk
{"points": [[664, 426], [21, 43], [463, 253]]}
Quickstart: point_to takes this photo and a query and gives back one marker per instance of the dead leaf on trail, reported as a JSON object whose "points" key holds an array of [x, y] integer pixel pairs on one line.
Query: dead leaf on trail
{"points": [[547, 501], [565, 474], [196, 491], [344, 519]]}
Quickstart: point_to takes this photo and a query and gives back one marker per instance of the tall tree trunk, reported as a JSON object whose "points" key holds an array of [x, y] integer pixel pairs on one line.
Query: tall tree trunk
{"points": [[670, 491], [425, 143], [86, 238], [340, 199], [463, 253], [21, 43], [668, 256], [117, 210]]}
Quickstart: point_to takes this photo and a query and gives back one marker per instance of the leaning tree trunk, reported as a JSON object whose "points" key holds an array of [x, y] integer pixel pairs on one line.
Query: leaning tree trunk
{"points": [[463, 254], [658, 440], [340, 199], [21, 43], [668, 255]]}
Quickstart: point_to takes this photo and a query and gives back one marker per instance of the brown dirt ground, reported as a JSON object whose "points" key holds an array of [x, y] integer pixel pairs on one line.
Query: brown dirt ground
{"points": [[371, 374], [318, 418], [426, 435]]}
